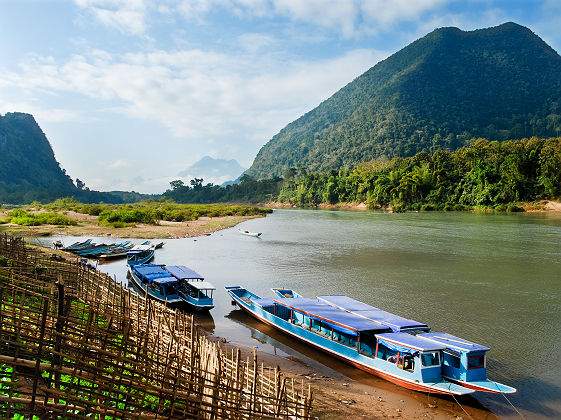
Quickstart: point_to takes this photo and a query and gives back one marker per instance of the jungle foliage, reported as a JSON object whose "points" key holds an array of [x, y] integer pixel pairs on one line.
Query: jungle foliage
{"points": [[485, 175]]}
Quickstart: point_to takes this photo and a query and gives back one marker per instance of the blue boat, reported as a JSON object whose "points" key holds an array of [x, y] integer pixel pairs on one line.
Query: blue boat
{"points": [[78, 245], [156, 282], [193, 288], [140, 254], [404, 359], [173, 284], [463, 362]]}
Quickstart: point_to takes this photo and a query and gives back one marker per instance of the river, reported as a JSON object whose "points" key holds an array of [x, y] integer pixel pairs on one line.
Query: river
{"points": [[491, 278]]}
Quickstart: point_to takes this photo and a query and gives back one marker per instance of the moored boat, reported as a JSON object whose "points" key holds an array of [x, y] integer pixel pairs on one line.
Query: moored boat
{"points": [[140, 254], [248, 233], [193, 288], [463, 362], [407, 360], [156, 282]]}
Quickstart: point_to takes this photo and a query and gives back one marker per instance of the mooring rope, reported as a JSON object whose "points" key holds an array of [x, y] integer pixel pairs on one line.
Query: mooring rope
{"points": [[511, 404], [463, 409]]}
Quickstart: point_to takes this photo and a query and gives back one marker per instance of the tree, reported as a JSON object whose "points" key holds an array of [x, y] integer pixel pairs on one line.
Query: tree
{"points": [[177, 184]]}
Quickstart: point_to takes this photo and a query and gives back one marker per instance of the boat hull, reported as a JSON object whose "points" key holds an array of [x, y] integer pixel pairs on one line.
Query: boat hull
{"points": [[485, 386], [401, 381]]}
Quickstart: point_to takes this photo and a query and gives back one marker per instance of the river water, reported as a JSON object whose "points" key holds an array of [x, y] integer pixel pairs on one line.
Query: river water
{"points": [[490, 278]]}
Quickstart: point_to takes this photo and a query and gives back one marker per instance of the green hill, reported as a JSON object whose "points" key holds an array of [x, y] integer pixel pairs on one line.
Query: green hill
{"points": [[28, 168], [437, 93]]}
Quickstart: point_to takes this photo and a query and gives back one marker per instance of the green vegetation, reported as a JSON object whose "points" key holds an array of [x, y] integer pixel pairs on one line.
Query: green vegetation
{"points": [[485, 175], [23, 218], [248, 190], [435, 94], [121, 215]]}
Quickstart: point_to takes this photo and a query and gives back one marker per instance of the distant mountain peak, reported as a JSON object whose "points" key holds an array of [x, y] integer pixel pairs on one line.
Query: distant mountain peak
{"points": [[216, 171], [438, 92]]}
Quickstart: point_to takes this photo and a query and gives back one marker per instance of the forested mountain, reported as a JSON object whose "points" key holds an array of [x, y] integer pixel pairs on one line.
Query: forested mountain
{"points": [[437, 93], [28, 168]]}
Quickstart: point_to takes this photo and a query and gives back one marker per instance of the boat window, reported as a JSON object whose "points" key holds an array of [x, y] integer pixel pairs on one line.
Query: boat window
{"points": [[449, 359], [430, 359], [476, 362], [407, 363]]}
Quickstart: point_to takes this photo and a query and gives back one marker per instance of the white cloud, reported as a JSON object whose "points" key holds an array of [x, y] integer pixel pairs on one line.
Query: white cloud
{"points": [[119, 164], [128, 16], [348, 17], [198, 95]]}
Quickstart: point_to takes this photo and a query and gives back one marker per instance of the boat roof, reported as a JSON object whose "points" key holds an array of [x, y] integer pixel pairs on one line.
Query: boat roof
{"points": [[454, 342], [154, 272], [395, 322], [331, 314], [264, 302], [181, 272], [202, 285], [140, 248], [410, 341]]}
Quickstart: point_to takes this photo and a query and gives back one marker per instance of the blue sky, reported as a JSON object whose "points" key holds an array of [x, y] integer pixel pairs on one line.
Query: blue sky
{"points": [[132, 92]]}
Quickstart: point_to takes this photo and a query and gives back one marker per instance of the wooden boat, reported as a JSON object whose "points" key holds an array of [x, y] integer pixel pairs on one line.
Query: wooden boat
{"points": [[155, 282], [173, 284], [140, 254], [193, 288], [78, 245], [404, 359], [248, 233], [463, 362]]}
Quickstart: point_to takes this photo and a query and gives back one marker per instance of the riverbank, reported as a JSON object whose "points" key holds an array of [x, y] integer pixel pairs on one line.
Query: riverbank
{"points": [[342, 398], [536, 206], [87, 225]]}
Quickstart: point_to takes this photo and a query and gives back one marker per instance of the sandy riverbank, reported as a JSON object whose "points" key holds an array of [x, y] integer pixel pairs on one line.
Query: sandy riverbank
{"points": [[87, 226], [337, 397]]}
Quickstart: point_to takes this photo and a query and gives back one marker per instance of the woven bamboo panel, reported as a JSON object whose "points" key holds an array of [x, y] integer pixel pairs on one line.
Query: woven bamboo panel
{"points": [[75, 344]]}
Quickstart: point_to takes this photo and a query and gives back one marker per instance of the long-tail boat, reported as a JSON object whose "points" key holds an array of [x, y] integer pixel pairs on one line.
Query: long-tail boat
{"points": [[463, 361], [404, 359]]}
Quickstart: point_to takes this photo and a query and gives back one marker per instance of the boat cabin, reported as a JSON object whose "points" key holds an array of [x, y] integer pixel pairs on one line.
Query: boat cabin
{"points": [[461, 360], [157, 282], [411, 353], [394, 322], [192, 287]]}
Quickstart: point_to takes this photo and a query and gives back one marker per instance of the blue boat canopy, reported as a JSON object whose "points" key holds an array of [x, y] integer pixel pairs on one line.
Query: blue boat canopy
{"points": [[181, 272], [455, 343], [165, 280], [152, 272], [264, 302], [395, 322], [407, 343], [334, 317]]}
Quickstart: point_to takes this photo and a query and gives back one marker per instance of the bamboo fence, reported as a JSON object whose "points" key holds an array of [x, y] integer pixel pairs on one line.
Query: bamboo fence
{"points": [[76, 344]]}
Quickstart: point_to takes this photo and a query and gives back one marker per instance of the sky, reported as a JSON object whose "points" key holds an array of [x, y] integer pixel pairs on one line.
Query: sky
{"points": [[132, 92]]}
